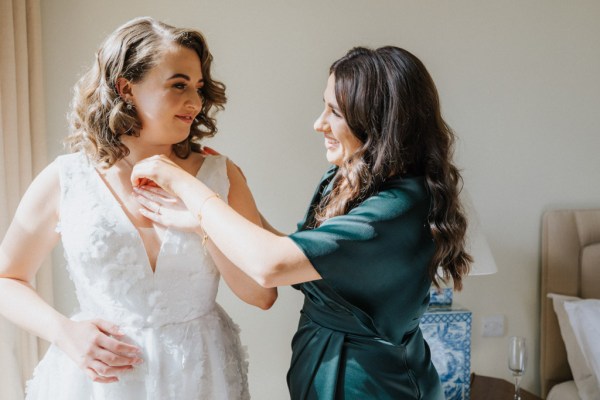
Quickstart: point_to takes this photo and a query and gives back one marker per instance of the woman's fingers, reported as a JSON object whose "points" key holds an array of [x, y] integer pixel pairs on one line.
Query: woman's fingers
{"points": [[157, 190], [155, 171], [149, 204], [144, 170], [156, 195], [152, 216]]}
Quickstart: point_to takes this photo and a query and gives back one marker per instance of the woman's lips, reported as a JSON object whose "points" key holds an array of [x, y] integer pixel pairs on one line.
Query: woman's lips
{"points": [[331, 143]]}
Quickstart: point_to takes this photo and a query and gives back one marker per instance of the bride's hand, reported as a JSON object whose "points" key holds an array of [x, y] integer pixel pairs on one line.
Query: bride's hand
{"points": [[164, 209], [157, 170], [95, 347]]}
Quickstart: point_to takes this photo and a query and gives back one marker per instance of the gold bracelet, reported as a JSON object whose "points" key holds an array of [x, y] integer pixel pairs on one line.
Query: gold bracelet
{"points": [[199, 215]]}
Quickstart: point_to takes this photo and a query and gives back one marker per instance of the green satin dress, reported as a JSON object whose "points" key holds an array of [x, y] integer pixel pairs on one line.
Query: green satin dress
{"points": [[358, 335]]}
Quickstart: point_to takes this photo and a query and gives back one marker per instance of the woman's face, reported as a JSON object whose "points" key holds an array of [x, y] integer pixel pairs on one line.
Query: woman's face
{"points": [[169, 97], [340, 142]]}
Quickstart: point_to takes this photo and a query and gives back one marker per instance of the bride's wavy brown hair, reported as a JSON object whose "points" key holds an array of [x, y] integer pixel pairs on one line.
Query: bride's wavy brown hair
{"points": [[99, 116], [391, 105]]}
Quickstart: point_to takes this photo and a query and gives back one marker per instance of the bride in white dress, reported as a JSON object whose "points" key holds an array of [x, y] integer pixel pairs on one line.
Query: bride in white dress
{"points": [[149, 326]]}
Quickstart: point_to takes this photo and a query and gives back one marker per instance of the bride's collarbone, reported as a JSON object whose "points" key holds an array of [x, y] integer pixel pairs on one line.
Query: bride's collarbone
{"points": [[119, 184]]}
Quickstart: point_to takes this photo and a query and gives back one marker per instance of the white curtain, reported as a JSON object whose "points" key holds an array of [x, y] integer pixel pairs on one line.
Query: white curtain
{"points": [[23, 154]]}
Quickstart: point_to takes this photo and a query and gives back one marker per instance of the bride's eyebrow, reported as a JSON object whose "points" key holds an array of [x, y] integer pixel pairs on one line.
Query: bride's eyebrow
{"points": [[184, 76]]}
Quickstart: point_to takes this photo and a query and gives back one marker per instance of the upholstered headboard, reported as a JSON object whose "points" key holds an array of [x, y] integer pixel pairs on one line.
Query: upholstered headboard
{"points": [[570, 266]]}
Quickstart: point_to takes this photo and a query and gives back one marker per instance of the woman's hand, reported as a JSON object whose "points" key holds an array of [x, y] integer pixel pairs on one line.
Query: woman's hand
{"points": [[158, 170], [164, 209], [95, 347]]}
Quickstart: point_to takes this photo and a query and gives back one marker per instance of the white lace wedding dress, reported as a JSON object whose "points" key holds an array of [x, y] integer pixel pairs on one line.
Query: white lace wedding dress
{"points": [[191, 348]]}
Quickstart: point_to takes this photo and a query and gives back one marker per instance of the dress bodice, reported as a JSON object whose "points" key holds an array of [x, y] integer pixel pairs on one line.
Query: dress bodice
{"points": [[189, 345], [107, 260]]}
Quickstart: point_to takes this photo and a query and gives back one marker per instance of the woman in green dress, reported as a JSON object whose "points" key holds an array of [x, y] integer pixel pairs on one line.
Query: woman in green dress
{"points": [[383, 219]]}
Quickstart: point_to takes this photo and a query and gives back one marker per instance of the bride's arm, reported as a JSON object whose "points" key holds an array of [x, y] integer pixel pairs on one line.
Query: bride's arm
{"points": [[28, 241], [269, 227]]}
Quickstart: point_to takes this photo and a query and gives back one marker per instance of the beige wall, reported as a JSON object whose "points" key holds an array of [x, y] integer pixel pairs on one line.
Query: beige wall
{"points": [[519, 83]]}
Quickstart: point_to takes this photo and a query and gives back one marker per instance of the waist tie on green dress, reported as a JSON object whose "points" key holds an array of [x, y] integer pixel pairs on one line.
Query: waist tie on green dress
{"points": [[336, 356], [341, 320]]}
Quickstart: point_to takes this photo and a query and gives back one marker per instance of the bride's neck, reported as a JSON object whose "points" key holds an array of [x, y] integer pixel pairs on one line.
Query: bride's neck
{"points": [[138, 151]]}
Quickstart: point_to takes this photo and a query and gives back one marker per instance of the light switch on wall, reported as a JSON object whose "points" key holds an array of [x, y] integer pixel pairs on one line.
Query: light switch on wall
{"points": [[493, 326]]}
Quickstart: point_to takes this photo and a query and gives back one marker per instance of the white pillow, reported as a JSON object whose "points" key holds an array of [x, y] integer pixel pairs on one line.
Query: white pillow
{"points": [[585, 321], [584, 378], [564, 391]]}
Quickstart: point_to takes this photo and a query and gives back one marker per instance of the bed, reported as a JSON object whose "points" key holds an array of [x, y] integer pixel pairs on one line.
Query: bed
{"points": [[570, 266]]}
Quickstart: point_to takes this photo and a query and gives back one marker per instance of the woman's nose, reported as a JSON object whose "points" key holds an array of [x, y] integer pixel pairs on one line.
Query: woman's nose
{"points": [[320, 124]]}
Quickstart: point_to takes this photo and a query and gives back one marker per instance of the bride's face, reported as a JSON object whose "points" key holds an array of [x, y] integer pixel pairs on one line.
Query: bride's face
{"points": [[169, 97]]}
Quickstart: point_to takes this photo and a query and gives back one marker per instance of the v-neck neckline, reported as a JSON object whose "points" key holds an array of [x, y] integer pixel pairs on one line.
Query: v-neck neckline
{"points": [[117, 204]]}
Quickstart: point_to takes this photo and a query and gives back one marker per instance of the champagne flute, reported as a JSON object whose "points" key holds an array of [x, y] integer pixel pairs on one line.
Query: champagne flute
{"points": [[517, 361]]}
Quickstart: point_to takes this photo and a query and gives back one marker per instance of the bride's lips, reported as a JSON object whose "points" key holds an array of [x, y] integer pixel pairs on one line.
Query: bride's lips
{"points": [[188, 119]]}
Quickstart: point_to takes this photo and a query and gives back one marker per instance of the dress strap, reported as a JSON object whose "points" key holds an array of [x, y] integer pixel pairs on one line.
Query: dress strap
{"points": [[73, 172], [213, 173]]}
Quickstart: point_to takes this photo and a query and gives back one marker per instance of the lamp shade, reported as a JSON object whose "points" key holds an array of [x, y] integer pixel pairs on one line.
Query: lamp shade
{"points": [[476, 245]]}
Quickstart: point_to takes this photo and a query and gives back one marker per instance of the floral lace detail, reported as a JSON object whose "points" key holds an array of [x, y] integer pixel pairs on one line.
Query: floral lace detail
{"points": [[191, 347]]}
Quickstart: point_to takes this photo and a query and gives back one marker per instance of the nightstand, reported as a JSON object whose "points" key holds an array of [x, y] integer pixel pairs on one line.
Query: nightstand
{"points": [[488, 388], [447, 330]]}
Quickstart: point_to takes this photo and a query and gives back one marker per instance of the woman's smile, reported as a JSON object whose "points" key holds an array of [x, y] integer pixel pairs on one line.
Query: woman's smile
{"points": [[330, 142]]}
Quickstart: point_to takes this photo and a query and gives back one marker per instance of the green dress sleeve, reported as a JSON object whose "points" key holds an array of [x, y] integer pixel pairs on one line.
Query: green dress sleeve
{"points": [[376, 257]]}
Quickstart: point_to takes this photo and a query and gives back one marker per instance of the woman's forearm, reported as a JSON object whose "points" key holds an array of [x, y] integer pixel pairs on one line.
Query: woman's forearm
{"points": [[235, 236], [262, 255], [268, 259]]}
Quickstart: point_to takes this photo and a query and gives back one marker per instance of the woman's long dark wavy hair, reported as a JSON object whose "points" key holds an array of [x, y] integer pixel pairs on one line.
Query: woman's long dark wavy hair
{"points": [[99, 116], [391, 105]]}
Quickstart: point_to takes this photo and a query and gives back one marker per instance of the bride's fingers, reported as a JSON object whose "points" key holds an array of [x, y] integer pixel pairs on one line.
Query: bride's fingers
{"points": [[117, 347], [96, 377], [107, 371], [116, 360], [100, 372]]}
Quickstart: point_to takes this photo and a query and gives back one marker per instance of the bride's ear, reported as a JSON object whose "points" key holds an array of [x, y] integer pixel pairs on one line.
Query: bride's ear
{"points": [[124, 87]]}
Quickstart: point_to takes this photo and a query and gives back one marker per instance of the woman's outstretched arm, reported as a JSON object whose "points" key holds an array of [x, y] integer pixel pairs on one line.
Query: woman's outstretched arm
{"points": [[240, 199], [269, 259]]}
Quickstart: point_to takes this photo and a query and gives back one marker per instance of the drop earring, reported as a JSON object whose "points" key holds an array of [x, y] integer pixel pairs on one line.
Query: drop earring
{"points": [[129, 105]]}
